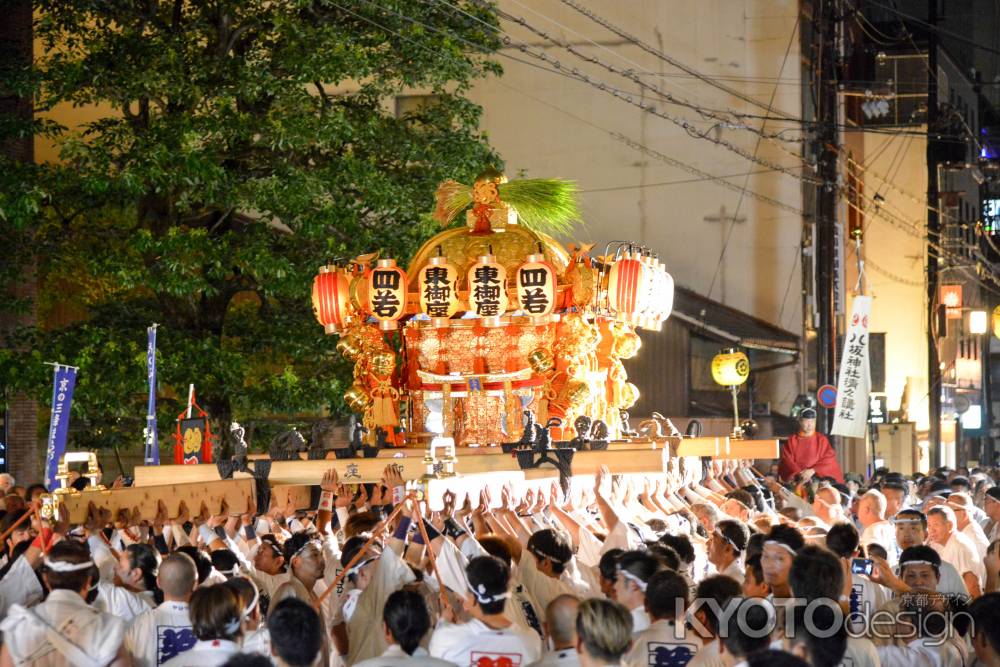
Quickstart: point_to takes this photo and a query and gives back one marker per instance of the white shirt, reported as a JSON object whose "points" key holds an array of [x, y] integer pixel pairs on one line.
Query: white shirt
{"points": [[544, 589], [640, 620], [865, 599], [961, 552], [367, 640], [860, 653], [664, 643], [466, 644], [210, 653], [709, 655], [951, 581], [735, 570], [882, 533], [915, 654], [19, 586], [975, 533], [157, 635], [394, 656], [121, 602], [96, 634], [258, 641], [568, 657]]}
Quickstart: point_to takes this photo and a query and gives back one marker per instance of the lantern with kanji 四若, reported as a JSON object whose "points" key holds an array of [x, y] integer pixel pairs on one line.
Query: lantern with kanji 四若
{"points": [[437, 284], [627, 288], [331, 302], [387, 293], [488, 288], [535, 287]]}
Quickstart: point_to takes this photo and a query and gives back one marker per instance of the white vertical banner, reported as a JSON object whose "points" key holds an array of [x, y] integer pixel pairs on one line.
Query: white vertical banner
{"points": [[854, 383]]}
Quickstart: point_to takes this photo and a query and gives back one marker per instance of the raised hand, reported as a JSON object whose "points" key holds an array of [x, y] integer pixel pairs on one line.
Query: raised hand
{"points": [[330, 480], [449, 504]]}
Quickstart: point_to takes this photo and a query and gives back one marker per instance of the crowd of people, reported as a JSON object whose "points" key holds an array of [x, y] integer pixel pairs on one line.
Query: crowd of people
{"points": [[708, 565]]}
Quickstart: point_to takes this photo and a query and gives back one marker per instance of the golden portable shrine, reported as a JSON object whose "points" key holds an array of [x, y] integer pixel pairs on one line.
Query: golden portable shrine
{"points": [[493, 318]]}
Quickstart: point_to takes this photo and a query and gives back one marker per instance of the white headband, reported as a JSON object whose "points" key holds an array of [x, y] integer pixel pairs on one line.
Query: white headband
{"points": [[253, 603], [634, 579], [782, 545], [483, 598], [913, 520], [357, 568], [917, 562], [723, 537], [63, 566]]}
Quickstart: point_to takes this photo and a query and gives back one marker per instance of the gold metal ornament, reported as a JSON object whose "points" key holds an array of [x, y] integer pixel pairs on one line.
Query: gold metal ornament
{"points": [[541, 360], [357, 398], [383, 363], [349, 346], [627, 344], [629, 396], [577, 393]]}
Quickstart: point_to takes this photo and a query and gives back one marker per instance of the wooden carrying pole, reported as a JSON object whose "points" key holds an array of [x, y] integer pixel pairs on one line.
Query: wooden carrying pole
{"points": [[364, 550]]}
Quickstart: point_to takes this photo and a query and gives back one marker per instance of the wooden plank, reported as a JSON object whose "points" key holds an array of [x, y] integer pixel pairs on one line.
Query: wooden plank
{"points": [[750, 449], [707, 446], [620, 462], [236, 492]]}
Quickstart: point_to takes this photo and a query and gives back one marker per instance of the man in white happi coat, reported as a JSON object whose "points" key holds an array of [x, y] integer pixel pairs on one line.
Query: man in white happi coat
{"points": [[157, 635], [726, 546], [405, 622], [911, 531], [666, 641], [604, 632], [560, 627], [956, 548], [215, 619], [489, 636], [136, 570], [64, 630], [961, 505], [877, 530]]}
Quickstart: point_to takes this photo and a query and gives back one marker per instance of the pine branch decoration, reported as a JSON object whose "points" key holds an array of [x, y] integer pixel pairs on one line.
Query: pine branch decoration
{"points": [[545, 205]]}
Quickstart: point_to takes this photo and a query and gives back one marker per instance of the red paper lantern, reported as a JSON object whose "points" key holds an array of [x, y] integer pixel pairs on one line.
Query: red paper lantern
{"points": [[627, 288], [331, 303], [387, 293], [535, 288]]}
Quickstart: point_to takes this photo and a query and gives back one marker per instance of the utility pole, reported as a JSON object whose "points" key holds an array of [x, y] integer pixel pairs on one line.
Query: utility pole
{"points": [[826, 147], [933, 237]]}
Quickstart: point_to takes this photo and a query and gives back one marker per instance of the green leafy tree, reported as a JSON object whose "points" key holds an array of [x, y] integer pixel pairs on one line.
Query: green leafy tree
{"points": [[250, 141]]}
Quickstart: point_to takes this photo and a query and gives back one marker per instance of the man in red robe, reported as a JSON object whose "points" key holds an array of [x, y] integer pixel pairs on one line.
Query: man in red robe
{"points": [[808, 453]]}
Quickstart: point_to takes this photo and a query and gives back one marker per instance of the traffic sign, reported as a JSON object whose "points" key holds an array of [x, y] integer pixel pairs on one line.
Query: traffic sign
{"points": [[827, 396]]}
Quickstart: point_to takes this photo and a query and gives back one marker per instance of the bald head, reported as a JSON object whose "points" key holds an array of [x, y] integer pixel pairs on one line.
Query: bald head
{"points": [[177, 577], [560, 618]]}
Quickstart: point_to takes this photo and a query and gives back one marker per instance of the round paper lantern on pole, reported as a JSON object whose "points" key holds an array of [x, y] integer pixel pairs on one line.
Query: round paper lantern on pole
{"points": [[331, 303], [731, 368], [626, 283], [535, 287], [488, 289], [387, 293], [437, 284]]}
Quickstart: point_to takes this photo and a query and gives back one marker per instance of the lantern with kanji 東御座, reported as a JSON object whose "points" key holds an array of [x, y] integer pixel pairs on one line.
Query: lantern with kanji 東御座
{"points": [[488, 289], [387, 293], [627, 288], [331, 302], [535, 287], [437, 283]]}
